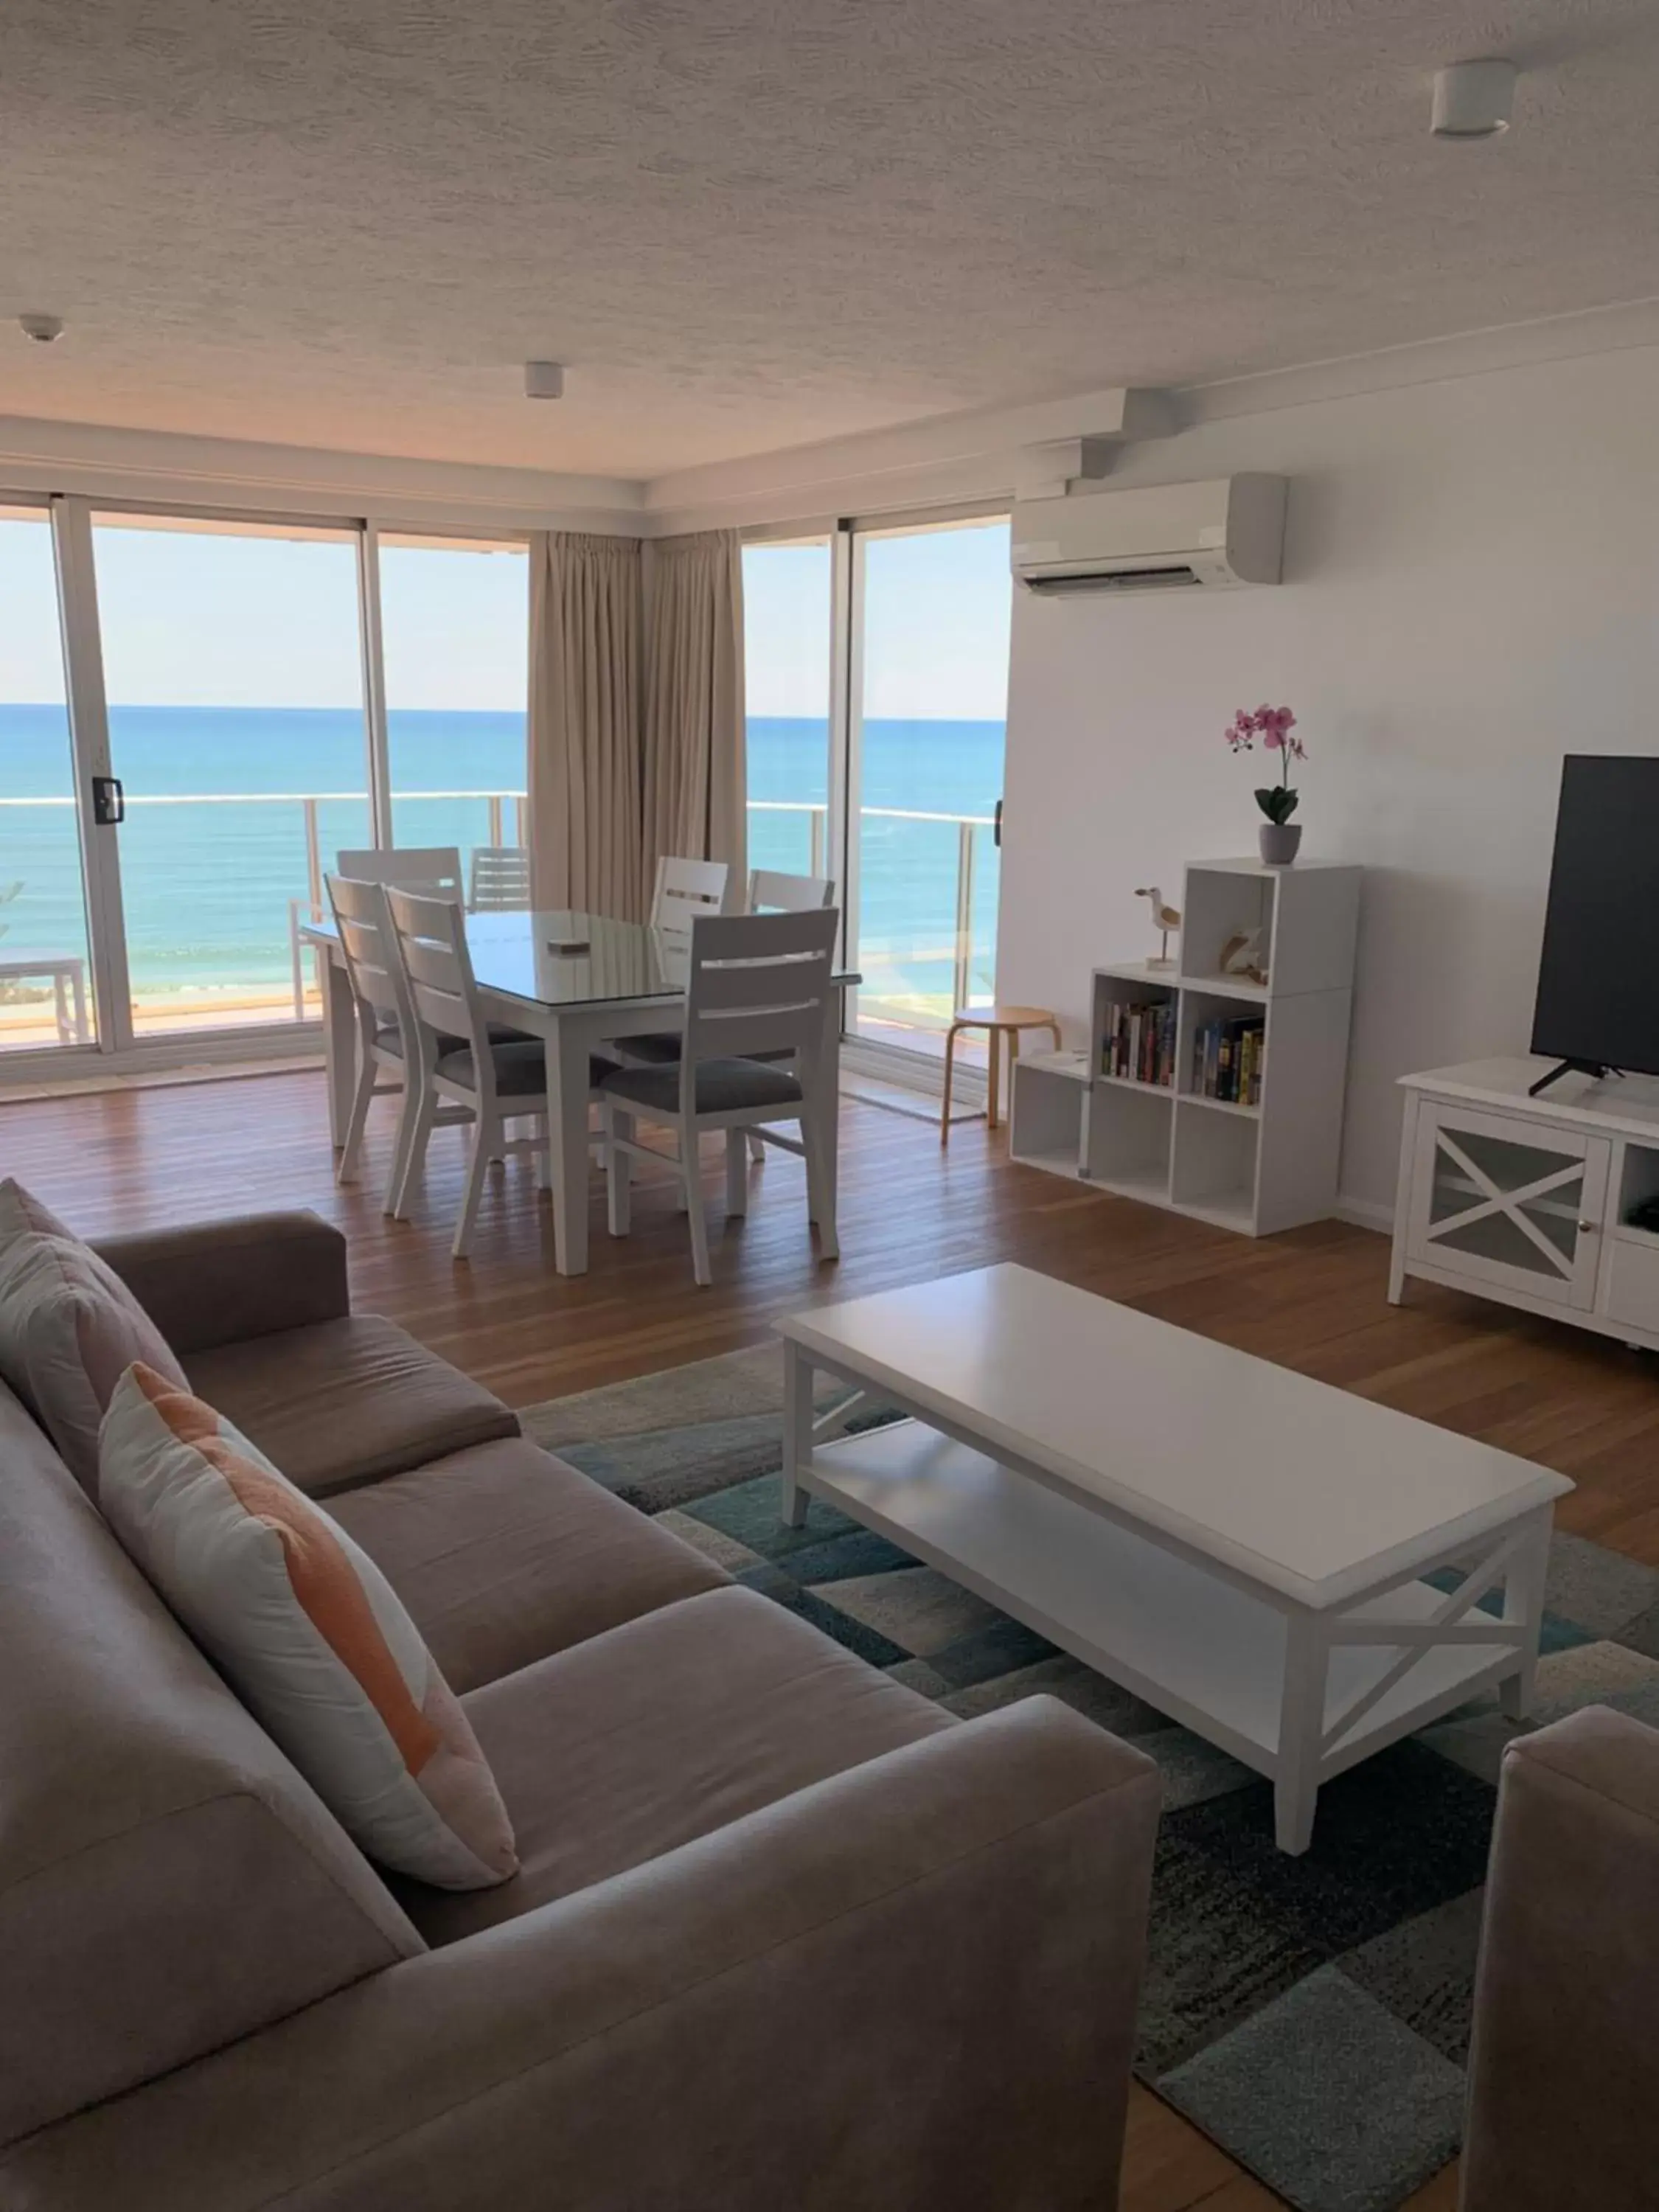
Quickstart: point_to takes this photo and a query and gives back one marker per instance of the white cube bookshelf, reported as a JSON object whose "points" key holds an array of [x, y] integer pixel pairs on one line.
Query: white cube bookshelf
{"points": [[1256, 1167]]}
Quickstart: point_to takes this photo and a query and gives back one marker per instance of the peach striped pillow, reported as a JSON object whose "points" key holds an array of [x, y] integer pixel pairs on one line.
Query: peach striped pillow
{"points": [[307, 1630]]}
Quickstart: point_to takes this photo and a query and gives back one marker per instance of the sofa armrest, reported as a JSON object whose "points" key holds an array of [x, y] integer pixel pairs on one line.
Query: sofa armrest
{"points": [[211, 1283], [1563, 2077], [910, 1988]]}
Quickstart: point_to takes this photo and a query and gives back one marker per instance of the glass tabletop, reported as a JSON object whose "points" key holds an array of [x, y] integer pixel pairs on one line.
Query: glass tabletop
{"points": [[568, 959], [559, 958]]}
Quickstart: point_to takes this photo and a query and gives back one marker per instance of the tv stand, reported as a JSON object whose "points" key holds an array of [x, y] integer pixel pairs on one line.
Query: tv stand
{"points": [[1593, 1068], [1538, 1202]]}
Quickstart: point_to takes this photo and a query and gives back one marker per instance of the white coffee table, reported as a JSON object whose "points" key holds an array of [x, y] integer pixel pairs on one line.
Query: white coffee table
{"points": [[1237, 1545]]}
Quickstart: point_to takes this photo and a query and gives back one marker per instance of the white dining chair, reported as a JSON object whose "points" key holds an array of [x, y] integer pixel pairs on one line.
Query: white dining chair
{"points": [[758, 984], [772, 892], [466, 1074], [685, 890], [380, 998], [432, 869], [472, 1070], [499, 880]]}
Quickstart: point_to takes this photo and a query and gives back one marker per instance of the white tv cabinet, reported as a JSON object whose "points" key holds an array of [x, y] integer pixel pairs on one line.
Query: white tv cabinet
{"points": [[1528, 1200], [1251, 1168]]}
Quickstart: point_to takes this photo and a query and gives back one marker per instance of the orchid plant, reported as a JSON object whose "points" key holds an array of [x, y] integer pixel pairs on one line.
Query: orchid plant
{"points": [[1272, 726]]}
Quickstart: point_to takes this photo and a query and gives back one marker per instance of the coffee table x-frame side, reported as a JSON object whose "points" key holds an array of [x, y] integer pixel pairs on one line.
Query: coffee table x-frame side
{"points": [[1298, 1690], [1311, 1738]]}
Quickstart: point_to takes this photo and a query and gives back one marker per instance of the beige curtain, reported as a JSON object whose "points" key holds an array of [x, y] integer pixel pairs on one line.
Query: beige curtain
{"points": [[586, 769], [693, 719]]}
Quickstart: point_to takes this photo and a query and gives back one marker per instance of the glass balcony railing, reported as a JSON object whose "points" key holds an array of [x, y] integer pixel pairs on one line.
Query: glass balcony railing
{"points": [[928, 886], [215, 885]]}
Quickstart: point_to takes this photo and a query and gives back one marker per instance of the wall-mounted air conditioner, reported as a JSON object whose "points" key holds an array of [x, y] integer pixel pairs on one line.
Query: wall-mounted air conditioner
{"points": [[1229, 530]]}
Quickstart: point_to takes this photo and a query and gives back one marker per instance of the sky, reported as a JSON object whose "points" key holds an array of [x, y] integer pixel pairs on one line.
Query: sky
{"points": [[212, 618], [209, 619], [936, 605]]}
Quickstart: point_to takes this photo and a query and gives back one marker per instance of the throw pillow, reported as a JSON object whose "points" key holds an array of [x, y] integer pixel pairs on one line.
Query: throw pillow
{"points": [[70, 1328], [307, 1632]]}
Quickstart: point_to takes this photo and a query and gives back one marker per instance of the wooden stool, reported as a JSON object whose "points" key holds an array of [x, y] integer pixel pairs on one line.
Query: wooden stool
{"points": [[997, 1022]]}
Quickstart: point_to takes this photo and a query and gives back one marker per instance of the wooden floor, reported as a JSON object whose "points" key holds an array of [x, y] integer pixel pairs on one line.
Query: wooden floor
{"points": [[1313, 1300]]}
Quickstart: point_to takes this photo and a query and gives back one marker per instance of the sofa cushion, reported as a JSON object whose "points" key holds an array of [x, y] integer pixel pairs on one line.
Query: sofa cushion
{"points": [[623, 1749], [503, 1554], [242, 1275], [168, 1880], [346, 1401], [306, 1631], [68, 1327]]}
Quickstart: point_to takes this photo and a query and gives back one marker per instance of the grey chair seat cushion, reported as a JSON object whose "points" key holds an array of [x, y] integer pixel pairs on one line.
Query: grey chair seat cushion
{"points": [[659, 1051], [520, 1068], [346, 1401], [626, 1746], [503, 1554], [663, 1050], [723, 1086], [390, 1039]]}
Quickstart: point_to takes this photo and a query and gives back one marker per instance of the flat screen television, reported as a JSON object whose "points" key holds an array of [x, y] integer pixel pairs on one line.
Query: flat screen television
{"points": [[1598, 979]]}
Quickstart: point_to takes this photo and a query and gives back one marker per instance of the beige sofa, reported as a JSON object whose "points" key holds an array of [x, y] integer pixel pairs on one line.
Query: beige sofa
{"points": [[784, 1935], [1564, 2068]]}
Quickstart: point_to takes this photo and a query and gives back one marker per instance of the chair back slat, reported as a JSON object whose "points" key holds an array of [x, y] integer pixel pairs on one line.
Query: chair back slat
{"points": [[431, 938], [772, 892], [686, 890], [758, 983], [434, 869], [369, 953], [501, 879]]}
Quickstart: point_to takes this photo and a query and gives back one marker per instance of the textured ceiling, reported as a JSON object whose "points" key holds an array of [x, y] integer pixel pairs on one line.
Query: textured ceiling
{"points": [[753, 223]]}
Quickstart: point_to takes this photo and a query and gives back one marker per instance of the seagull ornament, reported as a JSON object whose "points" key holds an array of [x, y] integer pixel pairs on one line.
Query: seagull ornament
{"points": [[1165, 919]]}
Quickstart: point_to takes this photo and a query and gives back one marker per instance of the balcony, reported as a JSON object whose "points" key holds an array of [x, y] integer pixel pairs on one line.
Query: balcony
{"points": [[214, 885]]}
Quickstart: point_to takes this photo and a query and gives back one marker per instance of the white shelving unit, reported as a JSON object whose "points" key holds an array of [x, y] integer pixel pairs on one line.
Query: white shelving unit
{"points": [[1255, 1168]]}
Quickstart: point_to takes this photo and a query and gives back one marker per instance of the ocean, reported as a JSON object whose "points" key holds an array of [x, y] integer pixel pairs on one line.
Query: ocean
{"points": [[207, 878]]}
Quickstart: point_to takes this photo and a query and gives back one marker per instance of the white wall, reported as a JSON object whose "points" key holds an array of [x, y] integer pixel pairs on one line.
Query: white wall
{"points": [[1471, 590]]}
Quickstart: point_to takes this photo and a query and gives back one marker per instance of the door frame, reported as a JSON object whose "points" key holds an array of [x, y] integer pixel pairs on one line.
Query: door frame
{"points": [[853, 534], [70, 517]]}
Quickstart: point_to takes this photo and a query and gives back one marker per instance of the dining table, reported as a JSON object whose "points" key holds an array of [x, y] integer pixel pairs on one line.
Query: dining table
{"points": [[577, 981]]}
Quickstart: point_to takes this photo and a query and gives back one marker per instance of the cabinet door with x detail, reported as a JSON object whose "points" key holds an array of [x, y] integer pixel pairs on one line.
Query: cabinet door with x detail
{"points": [[1509, 1204]]}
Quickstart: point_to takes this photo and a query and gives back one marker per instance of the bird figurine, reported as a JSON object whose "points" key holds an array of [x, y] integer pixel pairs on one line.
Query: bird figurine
{"points": [[1165, 919], [1242, 956]]}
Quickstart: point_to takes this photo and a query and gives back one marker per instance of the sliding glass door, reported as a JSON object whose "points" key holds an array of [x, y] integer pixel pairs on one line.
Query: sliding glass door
{"points": [[930, 611], [233, 672], [877, 662], [455, 640], [268, 692], [256, 695], [46, 995]]}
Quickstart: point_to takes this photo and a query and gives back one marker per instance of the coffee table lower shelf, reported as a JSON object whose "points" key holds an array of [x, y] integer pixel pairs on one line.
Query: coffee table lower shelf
{"points": [[1192, 1642]]}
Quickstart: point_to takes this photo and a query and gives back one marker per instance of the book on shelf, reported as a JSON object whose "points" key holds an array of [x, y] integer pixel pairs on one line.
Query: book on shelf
{"points": [[1228, 1057], [1138, 1045]]}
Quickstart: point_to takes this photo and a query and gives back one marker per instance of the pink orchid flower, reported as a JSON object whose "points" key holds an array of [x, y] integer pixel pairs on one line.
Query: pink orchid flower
{"points": [[1273, 725]]}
